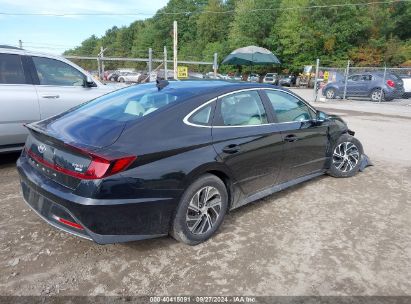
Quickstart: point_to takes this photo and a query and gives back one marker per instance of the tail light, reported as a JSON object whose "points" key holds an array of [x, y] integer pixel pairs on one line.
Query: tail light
{"points": [[390, 83], [99, 166]]}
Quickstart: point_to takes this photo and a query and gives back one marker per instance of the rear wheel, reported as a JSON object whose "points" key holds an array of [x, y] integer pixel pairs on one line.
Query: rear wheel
{"points": [[201, 210], [377, 95], [330, 93], [346, 157]]}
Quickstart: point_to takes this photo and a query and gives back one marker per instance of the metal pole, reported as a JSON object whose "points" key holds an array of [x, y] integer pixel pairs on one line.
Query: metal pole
{"points": [[102, 62], [317, 67], [165, 63], [175, 37], [20, 44], [383, 81], [215, 65], [347, 71], [99, 67], [150, 60]]}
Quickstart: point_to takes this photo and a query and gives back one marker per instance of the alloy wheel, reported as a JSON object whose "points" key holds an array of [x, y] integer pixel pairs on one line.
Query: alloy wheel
{"points": [[346, 156], [376, 95], [330, 94], [204, 210]]}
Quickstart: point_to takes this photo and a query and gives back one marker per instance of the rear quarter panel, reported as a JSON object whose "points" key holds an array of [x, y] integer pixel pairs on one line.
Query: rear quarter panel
{"points": [[170, 155]]}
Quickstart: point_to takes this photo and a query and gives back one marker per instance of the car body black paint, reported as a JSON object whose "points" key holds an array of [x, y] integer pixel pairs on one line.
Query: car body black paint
{"points": [[140, 202]]}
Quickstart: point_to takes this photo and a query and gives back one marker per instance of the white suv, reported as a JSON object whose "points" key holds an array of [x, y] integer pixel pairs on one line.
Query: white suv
{"points": [[34, 86]]}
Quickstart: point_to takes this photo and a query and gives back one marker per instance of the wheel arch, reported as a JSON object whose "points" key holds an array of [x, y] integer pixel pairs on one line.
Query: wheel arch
{"points": [[375, 88], [217, 169]]}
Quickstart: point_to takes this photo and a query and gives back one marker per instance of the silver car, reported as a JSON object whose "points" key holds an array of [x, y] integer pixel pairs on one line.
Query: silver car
{"points": [[34, 86]]}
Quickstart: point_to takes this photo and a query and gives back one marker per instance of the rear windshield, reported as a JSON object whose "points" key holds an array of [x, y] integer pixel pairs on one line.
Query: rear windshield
{"points": [[130, 103]]}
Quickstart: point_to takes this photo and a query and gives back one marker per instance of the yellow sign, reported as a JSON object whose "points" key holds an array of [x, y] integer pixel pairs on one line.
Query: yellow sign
{"points": [[182, 72], [325, 76]]}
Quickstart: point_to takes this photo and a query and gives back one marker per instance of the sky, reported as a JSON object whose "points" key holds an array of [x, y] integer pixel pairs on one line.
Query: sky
{"points": [[54, 34]]}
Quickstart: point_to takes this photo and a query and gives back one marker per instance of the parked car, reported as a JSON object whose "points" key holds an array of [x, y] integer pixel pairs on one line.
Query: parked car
{"points": [[235, 77], [173, 158], [129, 77], [35, 86], [253, 77], [373, 84], [406, 79], [287, 81], [113, 76], [210, 75], [271, 78]]}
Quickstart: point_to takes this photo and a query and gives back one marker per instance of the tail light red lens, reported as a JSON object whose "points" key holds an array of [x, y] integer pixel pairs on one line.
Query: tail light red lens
{"points": [[98, 168], [391, 83]]}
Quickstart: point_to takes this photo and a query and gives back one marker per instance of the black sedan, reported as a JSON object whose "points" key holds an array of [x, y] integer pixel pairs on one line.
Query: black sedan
{"points": [[174, 157]]}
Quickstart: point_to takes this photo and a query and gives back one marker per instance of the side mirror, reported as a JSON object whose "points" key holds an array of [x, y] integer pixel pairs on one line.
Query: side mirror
{"points": [[321, 116], [89, 82]]}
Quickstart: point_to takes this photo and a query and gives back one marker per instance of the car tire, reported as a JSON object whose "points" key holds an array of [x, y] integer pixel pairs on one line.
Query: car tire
{"points": [[377, 95], [121, 80], [191, 223], [346, 156], [330, 93]]}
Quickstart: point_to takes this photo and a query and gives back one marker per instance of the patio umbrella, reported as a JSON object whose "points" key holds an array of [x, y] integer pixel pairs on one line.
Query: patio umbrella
{"points": [[251, 55]]}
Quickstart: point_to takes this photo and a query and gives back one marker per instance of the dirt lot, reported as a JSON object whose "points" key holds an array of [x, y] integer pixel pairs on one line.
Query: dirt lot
{"points": [[325, 237]]}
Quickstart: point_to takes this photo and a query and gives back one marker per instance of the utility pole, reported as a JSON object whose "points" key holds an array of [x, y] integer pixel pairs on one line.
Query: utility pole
{"points": [[347, 71], [175, 36], [102, 62], [165, 63], [20, 44]]}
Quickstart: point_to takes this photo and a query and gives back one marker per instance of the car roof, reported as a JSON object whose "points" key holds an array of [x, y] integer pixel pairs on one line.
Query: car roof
{"points": [[17, 51], [216, 86]]}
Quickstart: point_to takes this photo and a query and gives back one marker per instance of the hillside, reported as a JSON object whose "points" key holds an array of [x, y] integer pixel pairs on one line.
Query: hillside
{"points": [[297, 31]]}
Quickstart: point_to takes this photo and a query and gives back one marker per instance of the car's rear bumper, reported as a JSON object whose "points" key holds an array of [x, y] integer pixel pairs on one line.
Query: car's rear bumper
{"points": [[393, 94], [101, 220]]}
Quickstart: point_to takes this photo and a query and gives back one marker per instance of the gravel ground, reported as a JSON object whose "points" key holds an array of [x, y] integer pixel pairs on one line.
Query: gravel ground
{"points": [[324, 237]]}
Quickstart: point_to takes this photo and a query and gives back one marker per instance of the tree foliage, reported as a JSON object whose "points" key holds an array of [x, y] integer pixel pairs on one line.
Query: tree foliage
{"points": [[297, 32]]}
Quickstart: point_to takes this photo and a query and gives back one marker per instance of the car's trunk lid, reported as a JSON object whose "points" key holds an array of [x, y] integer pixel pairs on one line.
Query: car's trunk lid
{"points": [[52, 158]]}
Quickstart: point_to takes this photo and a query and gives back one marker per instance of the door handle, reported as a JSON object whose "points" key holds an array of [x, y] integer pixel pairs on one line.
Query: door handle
{"points": [[50, 96], [290, 138], [231, 149]]}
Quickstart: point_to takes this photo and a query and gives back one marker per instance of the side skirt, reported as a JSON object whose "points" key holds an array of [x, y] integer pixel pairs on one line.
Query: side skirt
{"points": [[276, 188]]}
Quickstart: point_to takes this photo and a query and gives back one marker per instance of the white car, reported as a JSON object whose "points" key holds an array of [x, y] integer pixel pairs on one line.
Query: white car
{"points": [[407, 85], [129, 77], [35, 86]]}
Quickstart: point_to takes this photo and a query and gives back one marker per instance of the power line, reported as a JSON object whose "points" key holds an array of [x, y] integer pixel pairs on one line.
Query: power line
{"points": [[205, 12]]}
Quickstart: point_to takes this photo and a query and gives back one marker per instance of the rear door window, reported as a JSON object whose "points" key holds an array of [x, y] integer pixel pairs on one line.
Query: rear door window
{"points": [[202, 116], [57, 73], [242, 109], [11, 69]]}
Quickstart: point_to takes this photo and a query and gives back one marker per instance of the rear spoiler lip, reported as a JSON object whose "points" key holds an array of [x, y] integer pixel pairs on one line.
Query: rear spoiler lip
{"points": [[31, 126], [71, 145]]}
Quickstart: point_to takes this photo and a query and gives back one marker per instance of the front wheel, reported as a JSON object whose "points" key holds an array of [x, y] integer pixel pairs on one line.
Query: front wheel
{"points": [[377, 95], [346, 157], [330, 93], [201, 210]]}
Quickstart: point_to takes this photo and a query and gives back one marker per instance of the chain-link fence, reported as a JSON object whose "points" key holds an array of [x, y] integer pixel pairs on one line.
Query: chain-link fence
{"points": [[145, 69], [377, 84]]}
